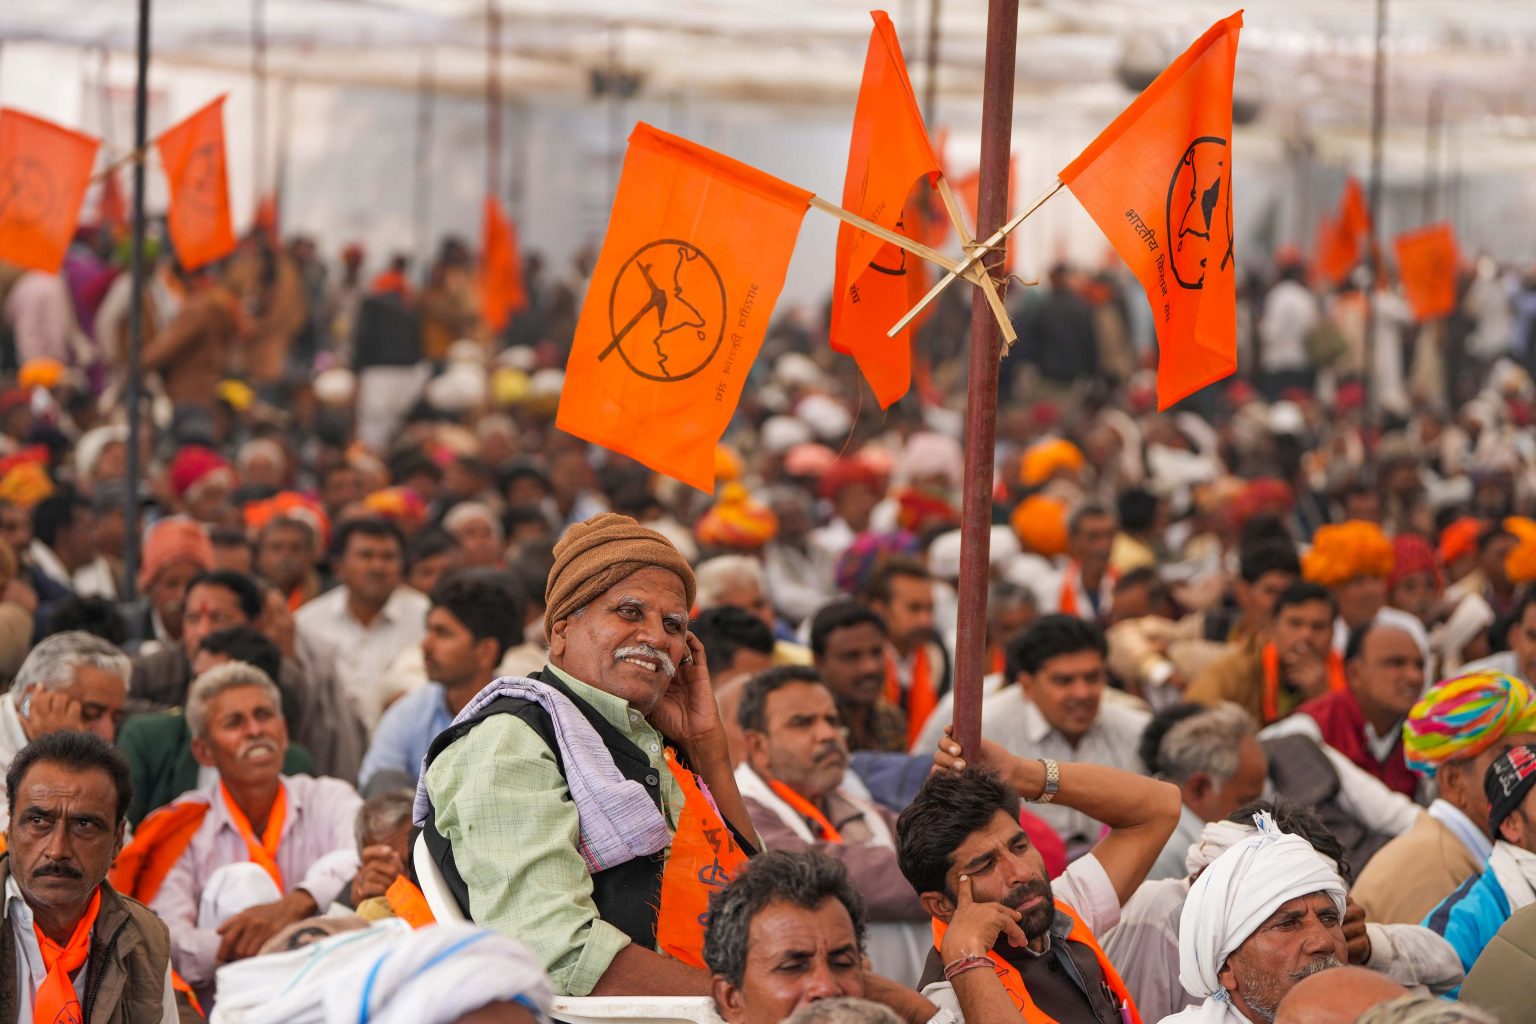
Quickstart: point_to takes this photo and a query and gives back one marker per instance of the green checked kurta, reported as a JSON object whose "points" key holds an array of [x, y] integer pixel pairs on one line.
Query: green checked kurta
{"points": [[502, 803]]}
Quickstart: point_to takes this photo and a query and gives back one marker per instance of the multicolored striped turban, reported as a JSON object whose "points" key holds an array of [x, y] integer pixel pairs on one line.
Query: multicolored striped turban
{"points": [[1462, 717]]}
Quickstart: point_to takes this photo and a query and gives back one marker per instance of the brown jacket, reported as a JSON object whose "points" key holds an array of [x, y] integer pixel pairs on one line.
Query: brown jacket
{"points": [[1237, 676], [1410, 875], [193, 353], [129, 963]]}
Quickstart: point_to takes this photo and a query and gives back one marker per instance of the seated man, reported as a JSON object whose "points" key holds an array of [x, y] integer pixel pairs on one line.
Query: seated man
{"points": [[551, 800], [257, 858], [69, 933], [787, 932], [475, 618], [848, 642], [1473, 914], [1385, 669], [1296, 664], [1450, 738], [994, 908], [1056, 707], [1214, 757], [1145, 944], [792, 783], [1337, 996], [380, 888], [1265, 914], [158, 745], [917, 666], [71, 682]]}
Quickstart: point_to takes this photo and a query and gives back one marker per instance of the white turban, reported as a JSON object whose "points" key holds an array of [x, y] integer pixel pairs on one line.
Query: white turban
{"points": [[386, 974], [1237, 894], [1216, 838]]}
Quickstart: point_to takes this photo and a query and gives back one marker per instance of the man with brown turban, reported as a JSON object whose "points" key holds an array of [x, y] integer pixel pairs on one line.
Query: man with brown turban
{"points": [[590, 809]]}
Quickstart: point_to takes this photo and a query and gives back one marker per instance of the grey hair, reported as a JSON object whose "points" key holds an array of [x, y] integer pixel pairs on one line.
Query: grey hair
{"points": [[53, 662], [843, 1010], [229, 676], [806, 879], [1208, 742], [382, 813], [717, 576], [1425, 1010], [465, 511]]}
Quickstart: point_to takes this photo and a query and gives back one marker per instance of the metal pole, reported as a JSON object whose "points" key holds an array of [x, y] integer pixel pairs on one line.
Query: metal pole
{"points": [[136, 311], [259, 103], [492, 99], [981, 408], [421, 195], [1378, 123], [1432, 130]]}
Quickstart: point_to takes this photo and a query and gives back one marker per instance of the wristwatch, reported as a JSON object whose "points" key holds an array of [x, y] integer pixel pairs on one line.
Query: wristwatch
{"points": [[1052, 781]]}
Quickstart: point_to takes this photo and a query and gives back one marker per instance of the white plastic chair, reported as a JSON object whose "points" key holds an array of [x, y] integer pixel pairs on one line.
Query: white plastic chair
{"points": [[439, 899]]}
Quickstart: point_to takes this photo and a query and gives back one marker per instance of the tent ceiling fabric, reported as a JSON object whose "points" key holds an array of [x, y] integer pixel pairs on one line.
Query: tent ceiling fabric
{"points": [[1307, 60]]}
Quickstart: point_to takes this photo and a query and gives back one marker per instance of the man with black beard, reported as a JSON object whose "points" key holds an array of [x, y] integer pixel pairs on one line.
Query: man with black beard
{"points": [[1008, 943]]}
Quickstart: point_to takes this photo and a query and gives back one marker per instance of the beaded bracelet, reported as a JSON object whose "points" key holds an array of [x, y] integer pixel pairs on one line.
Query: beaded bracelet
{"points": [[965, 963]]}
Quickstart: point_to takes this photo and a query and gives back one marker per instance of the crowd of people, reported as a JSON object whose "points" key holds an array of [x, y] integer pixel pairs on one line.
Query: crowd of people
{"points": [[416, 708]]}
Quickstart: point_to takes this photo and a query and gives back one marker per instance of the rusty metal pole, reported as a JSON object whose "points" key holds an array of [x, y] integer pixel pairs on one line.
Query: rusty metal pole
{"points": [[981, 407]]}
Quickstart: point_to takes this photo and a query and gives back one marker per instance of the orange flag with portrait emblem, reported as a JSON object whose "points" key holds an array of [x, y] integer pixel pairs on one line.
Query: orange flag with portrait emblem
{"points": [[44, 171], [199, 220], [501, 268], [1158, 181], [889, 153], [1426, 261], [693, 262]]}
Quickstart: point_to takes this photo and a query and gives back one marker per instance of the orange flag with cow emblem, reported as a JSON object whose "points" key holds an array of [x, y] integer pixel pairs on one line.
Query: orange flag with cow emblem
{"points": [[693, 262], [1158, 181], [1426, 261], [199, 220], [501, 268], [44, 171], [889, 152]]}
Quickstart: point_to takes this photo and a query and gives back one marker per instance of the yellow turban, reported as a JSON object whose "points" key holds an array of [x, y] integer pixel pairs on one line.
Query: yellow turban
{"points": [[1043, 460], [736, 521], [1346, 550]]}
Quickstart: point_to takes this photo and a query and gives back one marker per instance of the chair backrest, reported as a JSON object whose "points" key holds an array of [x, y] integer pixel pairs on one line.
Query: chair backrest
{"points": [[444, 906]]}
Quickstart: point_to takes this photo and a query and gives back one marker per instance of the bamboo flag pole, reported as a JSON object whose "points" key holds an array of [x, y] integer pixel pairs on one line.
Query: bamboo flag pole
{"points": [[981, 383], [972, 255], [974, 272]]}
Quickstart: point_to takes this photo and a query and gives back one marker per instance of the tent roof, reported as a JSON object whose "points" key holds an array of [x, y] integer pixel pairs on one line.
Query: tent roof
{"points": [[1307, 61]]}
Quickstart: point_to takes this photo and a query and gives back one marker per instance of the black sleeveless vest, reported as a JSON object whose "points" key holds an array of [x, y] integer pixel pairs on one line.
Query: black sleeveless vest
{"points": [[628, 895]]}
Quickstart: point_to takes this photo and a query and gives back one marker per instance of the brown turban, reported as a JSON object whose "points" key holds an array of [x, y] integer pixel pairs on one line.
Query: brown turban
{"points": [[595, 555]]}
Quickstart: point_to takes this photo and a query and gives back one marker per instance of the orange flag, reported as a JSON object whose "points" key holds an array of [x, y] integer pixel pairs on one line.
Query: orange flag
{"points": [[501, 268], [44, 171], [1158, 181], [695, 257], [193, 154], [1426, 260], [889, 153], [1354, 218]]}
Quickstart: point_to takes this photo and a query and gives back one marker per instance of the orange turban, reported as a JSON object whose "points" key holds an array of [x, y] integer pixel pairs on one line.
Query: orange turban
{"points": [[1041, 524], [1344, 551], [1043, 460], [737, 522], [1459, 539], [25, 484]]}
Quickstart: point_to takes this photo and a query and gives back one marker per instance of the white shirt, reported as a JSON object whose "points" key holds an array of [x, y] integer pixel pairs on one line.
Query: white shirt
{"points": [[1290, 314], [1085, 886], [1009, 718], [12, 738], [319, 821], [331, 638], [30, 972]]}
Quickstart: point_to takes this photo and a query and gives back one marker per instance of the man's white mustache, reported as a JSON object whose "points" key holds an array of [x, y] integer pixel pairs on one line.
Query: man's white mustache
{"points": [[258, 746], [649, 653]]}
